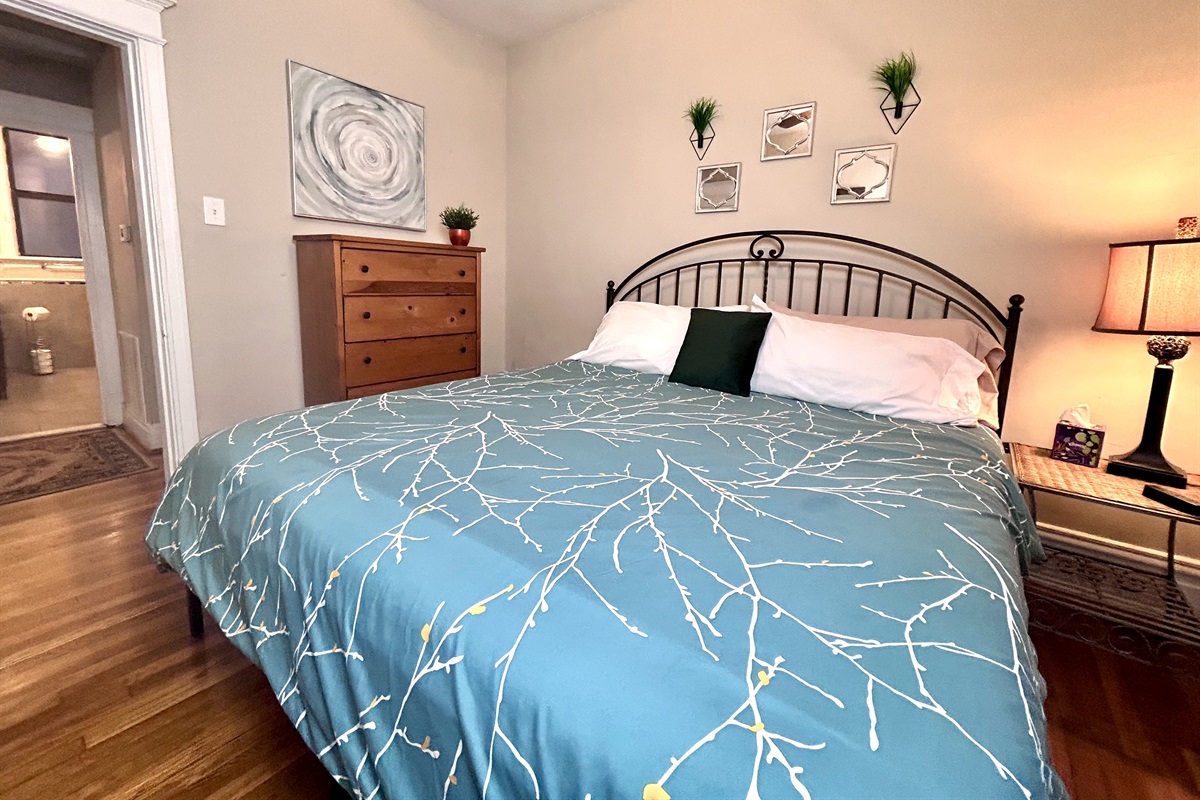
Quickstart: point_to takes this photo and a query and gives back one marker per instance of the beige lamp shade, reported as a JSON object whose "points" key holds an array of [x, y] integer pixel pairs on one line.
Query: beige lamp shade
{"points": [[1153, 289]]}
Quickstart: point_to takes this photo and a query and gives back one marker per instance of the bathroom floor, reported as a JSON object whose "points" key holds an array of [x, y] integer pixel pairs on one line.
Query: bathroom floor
{"points": [[67, 398]]}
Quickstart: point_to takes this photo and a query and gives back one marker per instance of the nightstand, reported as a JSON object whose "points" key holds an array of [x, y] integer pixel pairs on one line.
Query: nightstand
{"points": [[1036, 472]]}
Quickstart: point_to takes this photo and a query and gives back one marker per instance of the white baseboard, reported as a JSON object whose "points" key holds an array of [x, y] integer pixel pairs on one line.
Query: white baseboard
{"points": [[1134, 555], [150, 437]]}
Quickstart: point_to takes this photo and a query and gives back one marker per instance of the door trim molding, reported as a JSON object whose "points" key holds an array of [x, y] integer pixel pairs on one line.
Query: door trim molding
{"points": [[135, 28]]}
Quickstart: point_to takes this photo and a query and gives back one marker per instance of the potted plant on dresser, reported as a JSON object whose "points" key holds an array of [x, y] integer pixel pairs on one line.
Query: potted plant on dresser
{"points": [[460, 220]]}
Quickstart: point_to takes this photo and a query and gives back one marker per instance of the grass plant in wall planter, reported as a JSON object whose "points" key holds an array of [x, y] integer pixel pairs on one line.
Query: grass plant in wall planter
{"points": [[701, 114], [896, 75], [460, 220]]}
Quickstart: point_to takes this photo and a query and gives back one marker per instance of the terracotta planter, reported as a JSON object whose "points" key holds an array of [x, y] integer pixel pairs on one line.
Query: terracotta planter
{"points": [[460, 237]]}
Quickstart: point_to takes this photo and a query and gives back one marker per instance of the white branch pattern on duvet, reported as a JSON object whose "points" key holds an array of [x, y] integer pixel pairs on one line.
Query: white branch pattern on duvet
{"points": [[475, 463]]}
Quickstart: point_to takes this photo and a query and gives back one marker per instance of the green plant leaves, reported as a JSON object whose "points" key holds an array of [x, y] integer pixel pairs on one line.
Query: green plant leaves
{"points": [[702, 112], [896, 74], [459, 218]]}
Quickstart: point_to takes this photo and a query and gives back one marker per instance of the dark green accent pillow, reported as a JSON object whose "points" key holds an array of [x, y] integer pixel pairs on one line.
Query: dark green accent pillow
{"points": [[720, 350]]}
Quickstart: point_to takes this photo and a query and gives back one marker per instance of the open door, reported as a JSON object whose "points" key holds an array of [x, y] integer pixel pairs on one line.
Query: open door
{"points": [[43, 139]]}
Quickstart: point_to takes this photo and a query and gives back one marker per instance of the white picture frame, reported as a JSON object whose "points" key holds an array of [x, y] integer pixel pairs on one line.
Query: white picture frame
{"points": [[863, 174], [718, 188], [788, 131]]}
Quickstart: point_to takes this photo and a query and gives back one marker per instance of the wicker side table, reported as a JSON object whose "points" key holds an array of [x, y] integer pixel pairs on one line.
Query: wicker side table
{"points": [[1036, 472]]}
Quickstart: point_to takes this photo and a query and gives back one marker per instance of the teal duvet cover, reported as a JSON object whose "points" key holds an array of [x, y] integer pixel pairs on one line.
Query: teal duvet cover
{"points": [[584, 582]]}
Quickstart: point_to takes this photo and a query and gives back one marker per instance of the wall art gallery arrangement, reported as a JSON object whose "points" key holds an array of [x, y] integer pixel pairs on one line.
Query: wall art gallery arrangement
{"points": [[358, 154], [860, 174]]}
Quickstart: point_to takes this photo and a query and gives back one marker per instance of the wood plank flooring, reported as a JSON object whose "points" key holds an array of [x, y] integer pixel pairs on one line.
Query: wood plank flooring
{"points": [[1119, 728], [103, 694]]}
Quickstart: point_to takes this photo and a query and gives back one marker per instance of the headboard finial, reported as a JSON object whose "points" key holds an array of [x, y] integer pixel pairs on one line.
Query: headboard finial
{"points": [[759, 251], [1011, 326]]}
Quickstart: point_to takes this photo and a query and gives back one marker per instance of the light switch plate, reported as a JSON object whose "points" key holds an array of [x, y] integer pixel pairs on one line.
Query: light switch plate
{"points": [[214, 211]]}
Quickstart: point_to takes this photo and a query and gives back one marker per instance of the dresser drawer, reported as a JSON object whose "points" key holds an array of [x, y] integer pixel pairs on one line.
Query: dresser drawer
{"points": [[392, 317], [363, 268], [400, 359], [411, 383]]}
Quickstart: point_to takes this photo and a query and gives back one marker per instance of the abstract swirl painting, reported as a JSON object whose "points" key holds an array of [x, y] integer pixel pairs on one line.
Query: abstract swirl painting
{"points": [[358, 155]]}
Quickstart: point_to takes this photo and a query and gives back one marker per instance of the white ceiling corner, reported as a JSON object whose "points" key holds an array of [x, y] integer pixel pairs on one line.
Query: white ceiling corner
{"points": [[510, 22]]}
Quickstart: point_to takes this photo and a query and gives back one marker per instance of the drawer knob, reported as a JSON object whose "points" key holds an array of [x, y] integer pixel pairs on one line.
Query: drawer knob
{"points": [[365, 268], [462, 273], [462, 312], [462, 349], [366, 315], [367, 360]]}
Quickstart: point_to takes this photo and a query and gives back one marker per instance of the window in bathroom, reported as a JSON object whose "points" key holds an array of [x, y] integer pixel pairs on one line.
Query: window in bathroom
{"points": [[43, 194]]}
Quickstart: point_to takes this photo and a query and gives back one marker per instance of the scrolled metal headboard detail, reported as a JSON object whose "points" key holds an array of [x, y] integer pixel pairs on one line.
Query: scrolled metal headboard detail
{"points": [[758, 251], [898, 285]]}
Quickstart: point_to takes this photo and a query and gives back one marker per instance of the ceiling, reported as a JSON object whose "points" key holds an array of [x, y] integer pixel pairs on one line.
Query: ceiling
{"points": [[510, 22], [24, 38]]}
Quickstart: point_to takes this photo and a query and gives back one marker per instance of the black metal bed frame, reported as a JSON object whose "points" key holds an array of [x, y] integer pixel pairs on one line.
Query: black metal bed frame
{"points": [[766, 256], [766, 253]]}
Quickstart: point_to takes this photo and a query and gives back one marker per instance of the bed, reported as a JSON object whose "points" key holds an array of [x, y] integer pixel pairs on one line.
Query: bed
{"points": [[581, 581]]}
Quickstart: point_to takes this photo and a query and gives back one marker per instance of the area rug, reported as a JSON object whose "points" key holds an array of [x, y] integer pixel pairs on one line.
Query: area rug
{"points": [[34, 467], [1127, 611]]}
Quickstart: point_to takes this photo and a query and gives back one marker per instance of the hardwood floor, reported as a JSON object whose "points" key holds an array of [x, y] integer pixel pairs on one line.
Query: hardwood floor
{"points": [[1119, 728], [103, 694]]}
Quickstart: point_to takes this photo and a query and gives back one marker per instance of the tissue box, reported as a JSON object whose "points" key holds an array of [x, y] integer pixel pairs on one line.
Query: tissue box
{"points": [[1077, 445]]}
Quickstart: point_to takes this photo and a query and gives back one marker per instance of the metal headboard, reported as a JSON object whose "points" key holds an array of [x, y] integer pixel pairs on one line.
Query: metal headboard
{"points": [[815, 281]]}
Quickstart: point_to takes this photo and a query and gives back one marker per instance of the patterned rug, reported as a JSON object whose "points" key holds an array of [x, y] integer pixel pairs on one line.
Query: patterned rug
{"points": [[34, 467], [1136, 614]]}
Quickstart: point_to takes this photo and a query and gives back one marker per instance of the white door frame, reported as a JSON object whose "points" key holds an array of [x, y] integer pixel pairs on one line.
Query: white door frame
{"points": [[75, 124], [135, 28]]}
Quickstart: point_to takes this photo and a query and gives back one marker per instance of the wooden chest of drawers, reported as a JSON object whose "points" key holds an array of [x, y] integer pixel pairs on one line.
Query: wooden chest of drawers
{"points": [[382, 314]]}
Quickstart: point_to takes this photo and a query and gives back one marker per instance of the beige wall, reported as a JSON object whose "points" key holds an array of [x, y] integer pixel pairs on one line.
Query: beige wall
{"points": [[229, 117], [1091, 134], [1047, 130]]}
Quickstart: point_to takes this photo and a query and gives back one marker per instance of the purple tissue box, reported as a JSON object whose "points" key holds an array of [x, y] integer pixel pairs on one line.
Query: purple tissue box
{"points": [[1077, 445]]}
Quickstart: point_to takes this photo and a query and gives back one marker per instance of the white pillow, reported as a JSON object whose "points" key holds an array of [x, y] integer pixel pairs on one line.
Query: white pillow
{"points": [[879, 372], [641, 336], [966, 334], [963, 332]]}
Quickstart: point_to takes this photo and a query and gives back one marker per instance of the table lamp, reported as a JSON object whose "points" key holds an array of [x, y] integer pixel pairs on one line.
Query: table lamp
{"points": [[1154, 289]]}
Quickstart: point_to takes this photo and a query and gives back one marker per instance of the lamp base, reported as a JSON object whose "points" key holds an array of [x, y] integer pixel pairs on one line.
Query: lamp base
{"points": [[1146, 462], [1151, 467]]}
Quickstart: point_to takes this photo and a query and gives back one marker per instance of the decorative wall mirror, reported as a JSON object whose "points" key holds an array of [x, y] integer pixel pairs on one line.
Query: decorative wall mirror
{"points": [[717, 188], [788, 131], [863, 174]]}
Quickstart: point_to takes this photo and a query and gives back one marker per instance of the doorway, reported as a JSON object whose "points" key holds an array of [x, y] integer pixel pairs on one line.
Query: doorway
{"points": [[74, 311], [55, 305], [132, 29]]}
